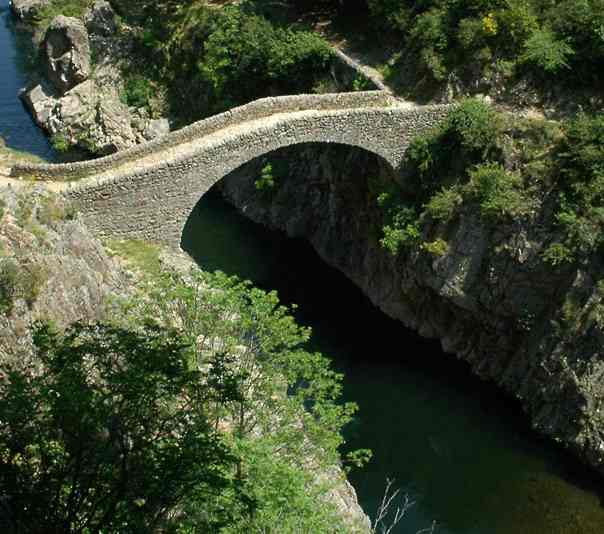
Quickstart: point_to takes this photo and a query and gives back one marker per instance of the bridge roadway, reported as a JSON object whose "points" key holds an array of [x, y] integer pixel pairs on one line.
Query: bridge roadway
{"points": [[149, 191]]}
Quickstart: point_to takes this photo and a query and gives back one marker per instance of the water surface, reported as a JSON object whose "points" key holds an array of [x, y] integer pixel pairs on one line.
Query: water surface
{"points": [[16, 127], [463, 452]]}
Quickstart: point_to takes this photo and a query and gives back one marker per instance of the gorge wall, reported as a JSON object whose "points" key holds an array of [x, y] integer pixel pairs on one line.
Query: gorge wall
{"points": [[489, 298]]}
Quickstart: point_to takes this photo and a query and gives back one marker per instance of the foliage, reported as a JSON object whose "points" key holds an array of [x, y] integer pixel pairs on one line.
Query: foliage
{"points": [[469, 135], [2, 206], [286, 399], [9, 284], [69, 8], [401, 230], [212, 59], [579, 164], [535, 38], [546, 51], [110, 434], [137, 91], [60, 143], [361, 83], [266, 182], [557, 254], [443, 204], [498, 192], [51, 209], [20, 278], [438, 247]]}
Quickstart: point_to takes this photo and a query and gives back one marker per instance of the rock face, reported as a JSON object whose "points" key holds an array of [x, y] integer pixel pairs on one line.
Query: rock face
{"points": [[100, 19], [86, 116], [535, 331], [67, 53], [28, 10], [81, 109]]}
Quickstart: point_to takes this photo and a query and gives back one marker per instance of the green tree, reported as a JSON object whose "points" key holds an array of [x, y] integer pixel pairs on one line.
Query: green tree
{"points": [[286, 420], [109, 432]]}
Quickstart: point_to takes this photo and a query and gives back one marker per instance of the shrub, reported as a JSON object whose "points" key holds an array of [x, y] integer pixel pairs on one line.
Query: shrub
{"points": [[52, 209], [557, 254], [547, 51], [438, 247], [266, 182], [137, 91], [579, 162], [469, 135], [32, 278], [401, 231], [60, 143], [2, 206], [498, 192], [474, 126], [9, 284], [443, 204]]}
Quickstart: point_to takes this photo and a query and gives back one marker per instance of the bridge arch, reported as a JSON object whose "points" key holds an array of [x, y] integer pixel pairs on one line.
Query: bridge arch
{"points": [[150, 196]]}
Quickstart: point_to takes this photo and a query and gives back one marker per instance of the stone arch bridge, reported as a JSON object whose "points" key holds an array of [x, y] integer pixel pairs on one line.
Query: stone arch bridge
{"points": [[149, 191]]}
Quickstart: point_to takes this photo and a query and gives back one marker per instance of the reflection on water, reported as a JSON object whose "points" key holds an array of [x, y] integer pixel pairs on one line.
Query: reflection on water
{"points": [[463, 452]]}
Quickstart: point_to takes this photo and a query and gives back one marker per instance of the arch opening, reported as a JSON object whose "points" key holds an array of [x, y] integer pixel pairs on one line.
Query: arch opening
{"points": [[295, 180]]}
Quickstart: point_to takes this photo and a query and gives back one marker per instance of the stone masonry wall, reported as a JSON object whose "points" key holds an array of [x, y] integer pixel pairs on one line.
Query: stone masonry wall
{"points": [[263, 107], [154, 201]]}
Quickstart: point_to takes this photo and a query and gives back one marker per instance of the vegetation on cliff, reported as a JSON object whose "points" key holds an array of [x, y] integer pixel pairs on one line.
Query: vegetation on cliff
{"points": [[188, 406], [210, 59], [509, 170], [480, 45]]}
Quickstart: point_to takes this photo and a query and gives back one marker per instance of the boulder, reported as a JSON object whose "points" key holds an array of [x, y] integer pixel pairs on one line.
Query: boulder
{"points": [[100, 19], [87, 116], [40, 102], [67, 53], [93, 118], [28, 10], [156, 128]]}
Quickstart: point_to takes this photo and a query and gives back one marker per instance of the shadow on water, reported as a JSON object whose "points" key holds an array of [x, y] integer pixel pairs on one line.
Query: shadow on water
{"points": [[463, 452]]}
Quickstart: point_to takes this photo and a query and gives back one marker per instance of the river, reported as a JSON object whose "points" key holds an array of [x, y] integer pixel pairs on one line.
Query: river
{"points": [[16, 128], [463, 452]]}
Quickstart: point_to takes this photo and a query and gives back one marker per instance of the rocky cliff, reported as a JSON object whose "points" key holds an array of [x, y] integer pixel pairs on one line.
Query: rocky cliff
{"points": [[79, 97], [52, 268], [533, 330]]}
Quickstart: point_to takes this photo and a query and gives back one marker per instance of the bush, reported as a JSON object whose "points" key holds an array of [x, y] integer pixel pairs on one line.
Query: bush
{"points": [[557, 254], [401, 231], [9, 284], [443, 204], [266, 182], [469, 135], [547, 51], [498, 192], [220, 58], [60, 143], [475, 127], [20, 280], [52, 209], [438, 247], [579, 163], [137, 91]]}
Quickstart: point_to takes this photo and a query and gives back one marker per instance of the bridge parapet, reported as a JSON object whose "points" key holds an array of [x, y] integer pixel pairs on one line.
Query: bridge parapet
{"points": [[257, 109]]}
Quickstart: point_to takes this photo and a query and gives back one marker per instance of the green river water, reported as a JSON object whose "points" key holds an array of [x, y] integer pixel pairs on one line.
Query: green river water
{"points": [[463, 452]]}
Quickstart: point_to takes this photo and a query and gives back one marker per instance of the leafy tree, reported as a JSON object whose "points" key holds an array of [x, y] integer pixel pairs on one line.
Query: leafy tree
{"points": [[108, 432], [285, 421]]}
